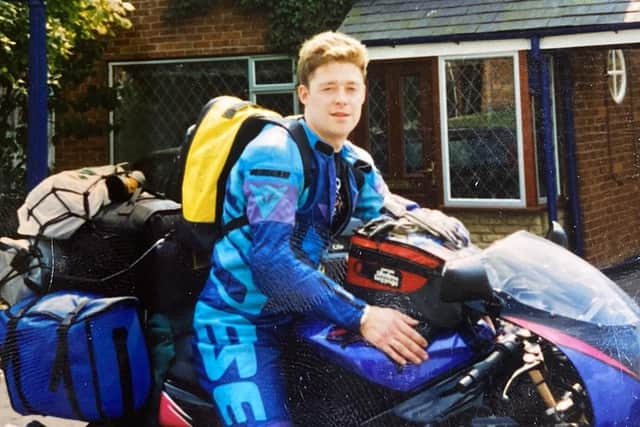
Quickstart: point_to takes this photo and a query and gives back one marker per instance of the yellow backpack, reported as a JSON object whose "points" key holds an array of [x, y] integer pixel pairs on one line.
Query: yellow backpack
{"points": [[225, 126]]}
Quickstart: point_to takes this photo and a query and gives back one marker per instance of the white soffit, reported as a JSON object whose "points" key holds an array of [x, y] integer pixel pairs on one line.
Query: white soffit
{"points": [[603, 38]]}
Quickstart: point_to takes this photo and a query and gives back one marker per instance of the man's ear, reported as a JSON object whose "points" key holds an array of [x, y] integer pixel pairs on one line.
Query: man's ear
{"points": [[303, 94]]}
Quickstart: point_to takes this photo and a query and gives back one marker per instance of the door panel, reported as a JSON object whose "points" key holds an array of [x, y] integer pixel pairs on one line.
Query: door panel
{"points": [[397, 128]]}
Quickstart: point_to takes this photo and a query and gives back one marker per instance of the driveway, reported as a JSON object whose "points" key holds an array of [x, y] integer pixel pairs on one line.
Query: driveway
{"points": [[627, 275]]}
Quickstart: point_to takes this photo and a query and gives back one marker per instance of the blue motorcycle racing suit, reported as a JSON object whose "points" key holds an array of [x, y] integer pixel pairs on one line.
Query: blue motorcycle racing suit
{"points": [[266, 272]]}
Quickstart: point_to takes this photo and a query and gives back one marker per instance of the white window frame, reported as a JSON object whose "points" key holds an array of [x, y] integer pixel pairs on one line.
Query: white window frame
{"points": [[616, 75], [256, 89], [253, 88], [444, 128]]}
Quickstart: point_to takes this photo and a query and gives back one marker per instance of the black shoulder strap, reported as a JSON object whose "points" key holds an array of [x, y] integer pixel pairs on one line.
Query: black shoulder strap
{"points": [[360, 168], [297, 132]]}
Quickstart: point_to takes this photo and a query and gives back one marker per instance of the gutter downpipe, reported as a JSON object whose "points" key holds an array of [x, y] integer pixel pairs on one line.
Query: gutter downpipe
{"points": [[541, 74], [570, 147], [37, 150]]}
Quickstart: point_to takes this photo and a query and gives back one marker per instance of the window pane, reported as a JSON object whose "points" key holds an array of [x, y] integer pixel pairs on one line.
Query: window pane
{"points": [[159, 101], [273, 71], [616, 70], [377, 107], [279, 102], [482, 137], [412, 131]]}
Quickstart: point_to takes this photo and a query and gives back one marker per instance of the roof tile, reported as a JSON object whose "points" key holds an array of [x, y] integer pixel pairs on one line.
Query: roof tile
{"points": [[398, 19]]}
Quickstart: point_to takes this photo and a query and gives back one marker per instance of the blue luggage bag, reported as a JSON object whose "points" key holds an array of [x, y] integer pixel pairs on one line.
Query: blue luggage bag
{"points": [[75, 355]]}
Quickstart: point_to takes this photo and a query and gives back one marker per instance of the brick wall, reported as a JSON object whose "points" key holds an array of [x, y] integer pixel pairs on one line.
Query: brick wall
{"points": [[608, 142], [77, 152], [497, 88], [220, 30], [491, 225]]}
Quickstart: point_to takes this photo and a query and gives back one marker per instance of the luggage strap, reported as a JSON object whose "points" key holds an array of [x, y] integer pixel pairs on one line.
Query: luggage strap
{"points": [[10, 355], [62, 364]]}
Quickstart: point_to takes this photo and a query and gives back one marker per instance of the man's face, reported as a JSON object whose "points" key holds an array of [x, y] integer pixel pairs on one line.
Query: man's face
{"points": [[333, 101]]}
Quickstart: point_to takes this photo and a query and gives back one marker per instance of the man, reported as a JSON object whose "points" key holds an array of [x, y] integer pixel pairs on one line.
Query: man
{"points": [[265, 273]]}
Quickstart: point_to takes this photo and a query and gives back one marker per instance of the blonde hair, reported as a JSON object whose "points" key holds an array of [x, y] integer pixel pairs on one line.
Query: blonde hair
{"points": [[327, 47]]}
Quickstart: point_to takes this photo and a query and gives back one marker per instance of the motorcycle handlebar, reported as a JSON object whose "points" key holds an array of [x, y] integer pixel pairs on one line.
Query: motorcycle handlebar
{"points": [[486, 367]]}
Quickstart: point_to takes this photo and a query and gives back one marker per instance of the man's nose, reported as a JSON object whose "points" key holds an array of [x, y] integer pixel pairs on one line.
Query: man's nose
{"points": [[341, 95]]}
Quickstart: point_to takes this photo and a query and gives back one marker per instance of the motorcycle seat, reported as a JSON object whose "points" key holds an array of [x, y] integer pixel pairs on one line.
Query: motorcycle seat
{"points": [[182, 373]]}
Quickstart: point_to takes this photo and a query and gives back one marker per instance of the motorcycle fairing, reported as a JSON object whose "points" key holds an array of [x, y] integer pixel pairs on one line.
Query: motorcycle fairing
{"points": [[170, 414], [447, 352], [542, 282], [440, 401], [595, 369], [619, 400]]}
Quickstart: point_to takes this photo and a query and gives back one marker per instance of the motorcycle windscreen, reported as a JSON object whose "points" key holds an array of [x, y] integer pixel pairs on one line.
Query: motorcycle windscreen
{"points": [[545, 283], [548, 277]]}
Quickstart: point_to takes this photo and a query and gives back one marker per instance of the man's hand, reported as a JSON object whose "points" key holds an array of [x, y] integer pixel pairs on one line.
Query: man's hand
{"points": [[393, 333]]}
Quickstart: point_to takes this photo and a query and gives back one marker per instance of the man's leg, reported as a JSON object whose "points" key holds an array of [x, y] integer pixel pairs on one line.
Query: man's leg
{"points": [[238, 364]]}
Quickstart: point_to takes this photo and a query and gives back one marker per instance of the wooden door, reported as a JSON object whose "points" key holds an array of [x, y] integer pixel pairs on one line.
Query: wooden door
{"points": [[397, 128]]}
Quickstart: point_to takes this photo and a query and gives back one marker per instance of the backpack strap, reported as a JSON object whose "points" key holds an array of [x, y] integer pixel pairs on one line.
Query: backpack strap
{"points": [[297, 132], [360, 168]]}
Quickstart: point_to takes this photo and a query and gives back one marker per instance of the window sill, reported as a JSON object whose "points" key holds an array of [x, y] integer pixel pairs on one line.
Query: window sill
{"points": [[528, 209]]}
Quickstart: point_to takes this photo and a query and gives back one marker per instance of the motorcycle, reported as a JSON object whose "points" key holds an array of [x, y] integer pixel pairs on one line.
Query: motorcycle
{"points": [[546, 339]]}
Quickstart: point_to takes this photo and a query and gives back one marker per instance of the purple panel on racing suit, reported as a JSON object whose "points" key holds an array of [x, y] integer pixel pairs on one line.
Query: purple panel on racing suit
{"points": [[270, 202]]}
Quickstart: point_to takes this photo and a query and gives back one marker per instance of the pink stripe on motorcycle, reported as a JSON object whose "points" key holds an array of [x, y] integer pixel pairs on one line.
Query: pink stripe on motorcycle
{"points": [[559, 338]]}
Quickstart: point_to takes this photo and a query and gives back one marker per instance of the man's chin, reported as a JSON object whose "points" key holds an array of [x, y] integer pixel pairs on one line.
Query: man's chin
{"points": [[343, 127]]}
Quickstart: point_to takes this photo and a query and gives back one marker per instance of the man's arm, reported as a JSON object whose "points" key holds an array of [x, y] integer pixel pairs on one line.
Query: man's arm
{"points": [[272, 181], [388, 330]]}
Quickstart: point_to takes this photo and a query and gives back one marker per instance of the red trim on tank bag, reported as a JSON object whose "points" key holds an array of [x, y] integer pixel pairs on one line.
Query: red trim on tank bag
{"points": [[383, 277]]}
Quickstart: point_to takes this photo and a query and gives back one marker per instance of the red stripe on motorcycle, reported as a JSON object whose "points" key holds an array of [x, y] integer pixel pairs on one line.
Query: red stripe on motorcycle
{"points": [[170, 414]]}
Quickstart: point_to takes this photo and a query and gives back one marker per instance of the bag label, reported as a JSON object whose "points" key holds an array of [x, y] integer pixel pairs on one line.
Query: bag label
{"points": [[387, 276]]}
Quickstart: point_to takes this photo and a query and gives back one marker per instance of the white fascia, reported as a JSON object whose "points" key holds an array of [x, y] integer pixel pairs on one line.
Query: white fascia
{"points": [[406, 51], [424, 50]]}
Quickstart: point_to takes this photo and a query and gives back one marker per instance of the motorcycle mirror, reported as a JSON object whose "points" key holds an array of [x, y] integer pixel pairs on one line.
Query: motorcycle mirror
{"points": [[557, 235], [465, 279]]}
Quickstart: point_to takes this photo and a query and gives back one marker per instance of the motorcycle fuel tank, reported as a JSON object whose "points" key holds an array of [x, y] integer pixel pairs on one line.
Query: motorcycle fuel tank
{"points": [[448, 351]]}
